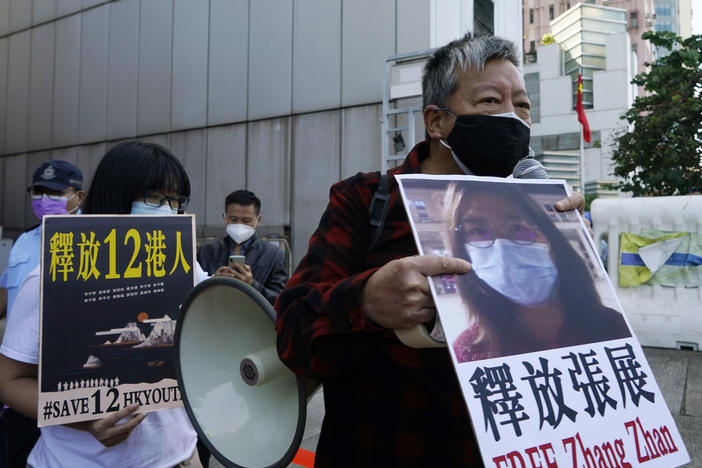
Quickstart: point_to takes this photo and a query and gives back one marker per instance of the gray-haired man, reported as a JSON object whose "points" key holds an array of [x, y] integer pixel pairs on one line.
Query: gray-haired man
{"points": [[387, 404]]}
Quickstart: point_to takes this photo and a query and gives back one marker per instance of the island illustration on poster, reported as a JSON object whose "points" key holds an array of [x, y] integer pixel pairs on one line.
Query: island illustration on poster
{"points": [[111, 288], [550, 371]]}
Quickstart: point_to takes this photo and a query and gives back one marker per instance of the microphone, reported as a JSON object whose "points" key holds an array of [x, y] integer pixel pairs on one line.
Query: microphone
{"points": [[529, 169]]}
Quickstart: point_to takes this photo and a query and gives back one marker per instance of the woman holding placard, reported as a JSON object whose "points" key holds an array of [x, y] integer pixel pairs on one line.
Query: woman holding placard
{"points": [[132, 178]]}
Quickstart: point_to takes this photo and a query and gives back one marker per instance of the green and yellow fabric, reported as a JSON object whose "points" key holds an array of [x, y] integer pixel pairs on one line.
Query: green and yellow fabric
{"points": [[680, 267]]}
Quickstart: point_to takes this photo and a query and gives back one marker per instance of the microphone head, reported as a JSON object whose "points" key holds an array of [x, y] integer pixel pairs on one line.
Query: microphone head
{"points": [[529, 169]]}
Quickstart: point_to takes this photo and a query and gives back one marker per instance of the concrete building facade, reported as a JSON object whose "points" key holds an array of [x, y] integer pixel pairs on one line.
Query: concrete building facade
{"points": [[555, 131], [537, 17], [674, 16], [582, 33], [640, 17], [281, 97]]}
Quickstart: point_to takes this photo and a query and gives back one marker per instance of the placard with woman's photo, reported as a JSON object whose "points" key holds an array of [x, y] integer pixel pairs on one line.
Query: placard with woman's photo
{"points": [[550, 369]]}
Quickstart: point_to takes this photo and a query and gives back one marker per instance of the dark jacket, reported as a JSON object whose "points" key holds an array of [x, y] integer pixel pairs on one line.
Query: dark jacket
{"points": [[386, 404], [267, 263]]}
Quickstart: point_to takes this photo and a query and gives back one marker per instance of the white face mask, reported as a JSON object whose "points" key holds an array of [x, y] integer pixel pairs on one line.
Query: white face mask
{"points": [[240, 232], [141, 208], [525, 274], [510, 114]]}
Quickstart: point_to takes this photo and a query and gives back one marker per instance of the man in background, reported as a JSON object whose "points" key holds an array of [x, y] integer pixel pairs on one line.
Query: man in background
{"points": [[56, 189], [264, 268]]}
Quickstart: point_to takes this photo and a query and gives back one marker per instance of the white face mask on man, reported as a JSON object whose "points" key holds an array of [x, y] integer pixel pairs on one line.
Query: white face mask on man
{"points": [[240, 232]]}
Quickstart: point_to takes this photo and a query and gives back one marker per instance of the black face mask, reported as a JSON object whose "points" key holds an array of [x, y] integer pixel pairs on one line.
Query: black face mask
{"points": [[489, 145]]}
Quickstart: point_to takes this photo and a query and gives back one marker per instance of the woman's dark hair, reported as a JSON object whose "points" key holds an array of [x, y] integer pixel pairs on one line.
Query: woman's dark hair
{"points": [[127, 170], [494, 312]]}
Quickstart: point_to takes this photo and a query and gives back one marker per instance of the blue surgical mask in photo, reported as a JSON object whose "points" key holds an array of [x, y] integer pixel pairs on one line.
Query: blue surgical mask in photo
{"points": [[141, 208], [525, 274]]}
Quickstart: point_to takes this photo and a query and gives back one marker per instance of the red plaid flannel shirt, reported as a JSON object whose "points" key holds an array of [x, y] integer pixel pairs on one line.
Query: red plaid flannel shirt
{"points": [[385, 404]]}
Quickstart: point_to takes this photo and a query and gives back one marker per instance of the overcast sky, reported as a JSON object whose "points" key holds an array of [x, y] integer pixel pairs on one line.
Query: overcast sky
{"points": [[696, 16]]}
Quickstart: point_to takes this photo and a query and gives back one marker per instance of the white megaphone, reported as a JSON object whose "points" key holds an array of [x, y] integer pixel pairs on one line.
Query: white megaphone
{"points": [[247, 407]]}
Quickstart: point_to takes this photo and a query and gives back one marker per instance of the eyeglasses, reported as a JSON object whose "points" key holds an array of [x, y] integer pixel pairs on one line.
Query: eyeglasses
{"points": [[483, 236], [156, 198], [446, 109], [56, 196]]}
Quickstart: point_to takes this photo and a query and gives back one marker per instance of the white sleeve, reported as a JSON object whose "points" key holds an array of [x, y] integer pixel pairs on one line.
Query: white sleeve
{"points": [[21, 340], [200, 274]]}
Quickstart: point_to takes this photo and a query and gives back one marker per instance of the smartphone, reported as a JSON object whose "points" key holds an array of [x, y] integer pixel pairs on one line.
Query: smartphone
{"points": [[240, 259]]}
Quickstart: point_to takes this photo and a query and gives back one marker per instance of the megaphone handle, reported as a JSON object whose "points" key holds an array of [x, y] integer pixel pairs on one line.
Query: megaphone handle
{"points": [[418, 337]]}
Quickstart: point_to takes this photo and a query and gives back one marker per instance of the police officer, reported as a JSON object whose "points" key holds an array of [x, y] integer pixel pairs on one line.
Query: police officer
{"points": [[56, 189]]}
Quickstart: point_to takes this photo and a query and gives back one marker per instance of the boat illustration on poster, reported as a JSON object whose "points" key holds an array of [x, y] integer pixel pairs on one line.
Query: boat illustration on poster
{"points": [[162, 331], [146, 340]]}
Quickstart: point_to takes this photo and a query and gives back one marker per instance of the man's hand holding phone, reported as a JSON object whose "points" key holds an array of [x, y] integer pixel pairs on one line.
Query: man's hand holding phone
{"points": [[237, 268], [236, 260]]}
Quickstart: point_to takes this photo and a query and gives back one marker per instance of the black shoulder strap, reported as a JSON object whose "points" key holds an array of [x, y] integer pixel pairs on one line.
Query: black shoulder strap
{"points": [[378, 209]]}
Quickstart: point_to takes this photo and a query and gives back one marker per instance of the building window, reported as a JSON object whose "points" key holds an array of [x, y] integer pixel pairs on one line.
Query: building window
{"points": [[634, 19], [532, 46], [664, 11], [531, 81], [568, 6], [531, 16], [635, 48], [550, 12], [483, 17]]}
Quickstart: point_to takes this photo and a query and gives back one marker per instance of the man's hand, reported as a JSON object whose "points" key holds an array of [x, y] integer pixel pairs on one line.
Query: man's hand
{"points": [[240, 272], [575, 202], [398, 295], [107, 431]]}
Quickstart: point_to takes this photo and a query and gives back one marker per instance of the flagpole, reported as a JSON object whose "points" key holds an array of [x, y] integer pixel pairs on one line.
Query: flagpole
{"points": [[582, 162], [582, 143]]}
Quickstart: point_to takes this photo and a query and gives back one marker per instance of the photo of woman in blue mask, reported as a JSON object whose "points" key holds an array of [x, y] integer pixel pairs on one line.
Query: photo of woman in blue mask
{"points": [[528, 289]]}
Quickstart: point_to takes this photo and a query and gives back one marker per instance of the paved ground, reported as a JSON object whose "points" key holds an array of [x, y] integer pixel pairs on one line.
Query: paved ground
{"points": [[678, 373]]}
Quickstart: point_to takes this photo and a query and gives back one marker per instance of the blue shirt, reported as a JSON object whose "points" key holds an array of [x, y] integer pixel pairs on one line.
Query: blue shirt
{"points": [[24, 257], [243, 247]]}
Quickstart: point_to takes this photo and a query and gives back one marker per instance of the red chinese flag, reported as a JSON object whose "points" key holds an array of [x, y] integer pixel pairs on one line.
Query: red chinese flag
{"points": [[581, 111]]}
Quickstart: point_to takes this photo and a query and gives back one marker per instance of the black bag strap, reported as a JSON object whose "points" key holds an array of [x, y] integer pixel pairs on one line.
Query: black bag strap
{"points": [[378, 209]]}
